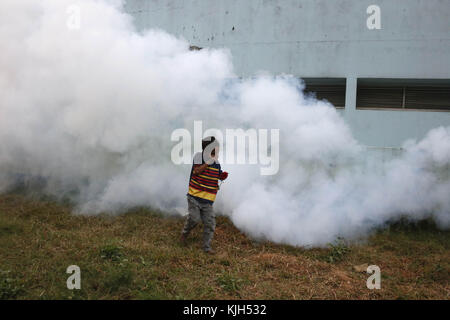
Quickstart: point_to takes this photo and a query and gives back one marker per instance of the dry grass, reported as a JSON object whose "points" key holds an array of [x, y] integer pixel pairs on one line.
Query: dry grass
{"points": [[137, 256]]}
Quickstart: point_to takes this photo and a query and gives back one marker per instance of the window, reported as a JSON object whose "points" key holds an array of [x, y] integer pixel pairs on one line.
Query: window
{"points": [[330, 89], [195, 48], [403, 94], [421, 97]]}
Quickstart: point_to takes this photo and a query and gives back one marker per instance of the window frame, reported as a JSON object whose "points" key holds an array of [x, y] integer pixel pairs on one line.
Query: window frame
{"points": [[325, 82], [403, 84]]}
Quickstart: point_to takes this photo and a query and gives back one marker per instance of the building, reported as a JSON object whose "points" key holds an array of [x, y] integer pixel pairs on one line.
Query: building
{"points": [[385, 64]]}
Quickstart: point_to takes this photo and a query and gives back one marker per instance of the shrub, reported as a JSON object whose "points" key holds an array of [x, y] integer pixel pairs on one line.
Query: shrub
{"points": [[338, 250], [111, 252]]}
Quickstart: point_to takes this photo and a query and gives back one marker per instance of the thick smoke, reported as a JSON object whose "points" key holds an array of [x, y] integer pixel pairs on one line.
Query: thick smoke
{"points": [[88, 114]]}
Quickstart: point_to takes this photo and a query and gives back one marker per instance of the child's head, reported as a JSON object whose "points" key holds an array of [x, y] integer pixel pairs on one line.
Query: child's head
{"points": [[210, 145]]}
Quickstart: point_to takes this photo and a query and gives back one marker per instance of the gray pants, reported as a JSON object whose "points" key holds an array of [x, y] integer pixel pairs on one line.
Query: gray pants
{"points": [[204, 212]]}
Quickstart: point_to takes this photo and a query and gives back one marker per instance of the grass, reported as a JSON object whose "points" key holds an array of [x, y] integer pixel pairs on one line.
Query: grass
{"points": [[9, 288], [230, 283], [338, 251], [137, 256], [111, 252]]}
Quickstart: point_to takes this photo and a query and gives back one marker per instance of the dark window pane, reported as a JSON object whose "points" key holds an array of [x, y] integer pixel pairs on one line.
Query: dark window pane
{"points": [[379, 97], [418, 94], [427, 97], [332, 90]]}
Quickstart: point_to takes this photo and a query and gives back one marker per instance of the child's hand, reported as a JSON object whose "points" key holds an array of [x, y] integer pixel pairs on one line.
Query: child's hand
{"points": [[223, 175]]}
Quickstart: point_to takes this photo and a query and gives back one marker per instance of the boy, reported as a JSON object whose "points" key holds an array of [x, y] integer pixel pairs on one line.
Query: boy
{"points": [[203, 186]]}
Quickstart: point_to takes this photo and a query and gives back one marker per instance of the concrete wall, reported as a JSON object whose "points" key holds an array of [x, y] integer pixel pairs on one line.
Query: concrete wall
{"points": [[323, 38]]}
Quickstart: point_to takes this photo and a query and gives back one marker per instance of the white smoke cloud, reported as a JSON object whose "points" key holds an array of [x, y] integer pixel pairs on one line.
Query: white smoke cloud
{"points": [[91, 111]]}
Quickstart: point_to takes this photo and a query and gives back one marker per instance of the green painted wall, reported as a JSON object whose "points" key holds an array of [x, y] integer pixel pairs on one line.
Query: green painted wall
{"points": [[323, 38]]}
